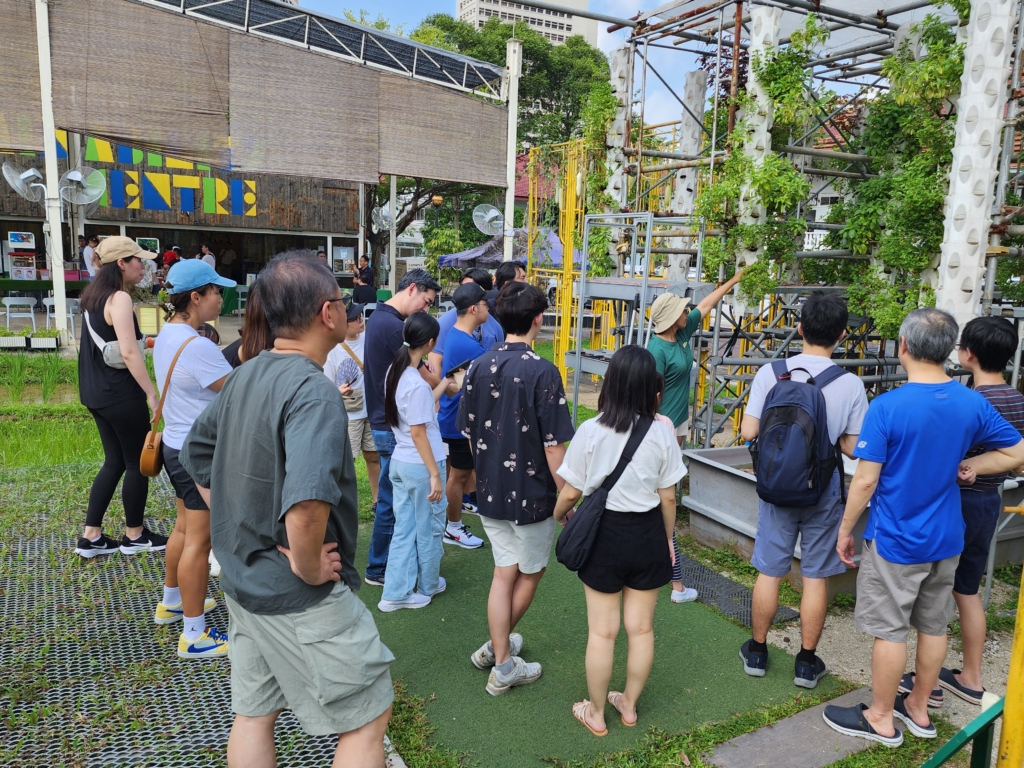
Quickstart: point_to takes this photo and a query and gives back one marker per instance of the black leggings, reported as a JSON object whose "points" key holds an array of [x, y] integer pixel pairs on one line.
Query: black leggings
{"points": [[122, 429]]}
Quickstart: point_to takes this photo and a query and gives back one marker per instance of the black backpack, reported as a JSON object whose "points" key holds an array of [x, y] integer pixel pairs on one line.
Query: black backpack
{"points": [[793, 459]]}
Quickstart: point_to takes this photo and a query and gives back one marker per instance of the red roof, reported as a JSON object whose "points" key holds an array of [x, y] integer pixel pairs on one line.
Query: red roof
{"points": [[547, 185]]}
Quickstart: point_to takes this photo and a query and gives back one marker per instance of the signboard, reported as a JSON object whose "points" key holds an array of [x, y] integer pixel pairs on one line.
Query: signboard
{"points": [[21, 241]]}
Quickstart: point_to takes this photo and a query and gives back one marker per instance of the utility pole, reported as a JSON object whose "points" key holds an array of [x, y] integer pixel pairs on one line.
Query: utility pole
{"points": [[513, 69], [52, 235]]}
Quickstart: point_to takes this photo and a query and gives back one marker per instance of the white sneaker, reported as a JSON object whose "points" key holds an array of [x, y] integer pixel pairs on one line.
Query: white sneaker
{"points": [[483, 657], [415, 600], [214, 565], [459, 533], [523, 673], [442, 585], [688, 595]]}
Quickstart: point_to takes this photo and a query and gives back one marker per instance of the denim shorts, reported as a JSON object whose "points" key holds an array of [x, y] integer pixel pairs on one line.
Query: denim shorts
{"points": [[818, 528]]}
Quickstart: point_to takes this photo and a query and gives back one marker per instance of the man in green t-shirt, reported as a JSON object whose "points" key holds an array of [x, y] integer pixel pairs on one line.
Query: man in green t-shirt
{"points": [[273, 452]]}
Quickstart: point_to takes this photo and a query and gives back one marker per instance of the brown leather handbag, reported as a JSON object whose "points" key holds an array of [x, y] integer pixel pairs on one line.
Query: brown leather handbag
{"points": [[151, 461]]}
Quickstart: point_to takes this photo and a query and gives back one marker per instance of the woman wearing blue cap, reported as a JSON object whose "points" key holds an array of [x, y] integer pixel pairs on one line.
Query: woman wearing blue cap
{"points": [[190, 371]]}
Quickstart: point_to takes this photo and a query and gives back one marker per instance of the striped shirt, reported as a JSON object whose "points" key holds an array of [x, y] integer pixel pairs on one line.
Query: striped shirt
{"points": [[1010, 404]]}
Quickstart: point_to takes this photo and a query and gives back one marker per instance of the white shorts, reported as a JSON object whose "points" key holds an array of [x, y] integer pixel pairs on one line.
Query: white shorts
{"points": [[683, 429], [528, 546]]}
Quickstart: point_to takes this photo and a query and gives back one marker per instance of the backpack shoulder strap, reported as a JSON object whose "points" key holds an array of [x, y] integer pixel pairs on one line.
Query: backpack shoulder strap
{"points": [[781, 370], [636, 437], [829, 375]]}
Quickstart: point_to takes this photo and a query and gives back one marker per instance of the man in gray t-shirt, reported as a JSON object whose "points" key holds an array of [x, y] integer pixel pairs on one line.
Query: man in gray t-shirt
{"points": [[822, 326], [274, 454]]}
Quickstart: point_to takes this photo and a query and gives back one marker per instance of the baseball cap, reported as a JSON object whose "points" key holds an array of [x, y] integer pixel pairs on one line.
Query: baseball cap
{"points": [[117, 247], [195, 273], [354, 310], [467, 295]]}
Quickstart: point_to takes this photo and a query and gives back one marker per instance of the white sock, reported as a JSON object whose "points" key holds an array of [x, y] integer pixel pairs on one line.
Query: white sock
{"points": [[454, 525], [97, 539], [172, 595], [194, 628]]}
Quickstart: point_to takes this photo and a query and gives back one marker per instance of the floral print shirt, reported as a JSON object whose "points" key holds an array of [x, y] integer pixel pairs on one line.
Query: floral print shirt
{"points": [[512, 408]]}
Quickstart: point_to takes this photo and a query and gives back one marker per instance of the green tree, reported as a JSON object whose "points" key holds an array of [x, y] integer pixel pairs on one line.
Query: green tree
{"points": [[381, 22], [556, 81]]}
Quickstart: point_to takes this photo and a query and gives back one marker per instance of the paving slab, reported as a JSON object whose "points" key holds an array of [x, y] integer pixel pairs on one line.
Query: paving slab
{"points": [[800, 741]]}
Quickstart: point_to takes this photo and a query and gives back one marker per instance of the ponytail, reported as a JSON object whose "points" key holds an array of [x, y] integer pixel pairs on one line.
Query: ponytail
{"points": [[418, 331]]}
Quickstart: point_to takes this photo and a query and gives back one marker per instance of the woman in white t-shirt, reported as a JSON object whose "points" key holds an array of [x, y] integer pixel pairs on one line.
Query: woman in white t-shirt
{"points": [[631, 558], [417, 471], [197, 377]]}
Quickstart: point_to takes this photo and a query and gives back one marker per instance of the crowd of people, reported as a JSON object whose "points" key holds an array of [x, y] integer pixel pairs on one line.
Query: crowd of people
{"points": [[458, 414]]}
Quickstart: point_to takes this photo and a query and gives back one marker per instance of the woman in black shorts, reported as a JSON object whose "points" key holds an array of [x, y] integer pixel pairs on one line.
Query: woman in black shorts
{"points": [[631, 559]]}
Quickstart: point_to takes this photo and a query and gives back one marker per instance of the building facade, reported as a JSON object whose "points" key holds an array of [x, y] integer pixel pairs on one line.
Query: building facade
{"points": [[554, 25], [245, 218]]}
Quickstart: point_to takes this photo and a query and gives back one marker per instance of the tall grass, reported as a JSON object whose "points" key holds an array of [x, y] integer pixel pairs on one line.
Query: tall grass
{"points": [[49, 377], [47, 435], [14, 381]]}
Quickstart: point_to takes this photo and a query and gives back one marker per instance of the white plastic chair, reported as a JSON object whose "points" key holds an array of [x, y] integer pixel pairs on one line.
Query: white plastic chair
{"points": [[368, 309], [51, 313], [20, 301], [446, 305], [243, 296]]}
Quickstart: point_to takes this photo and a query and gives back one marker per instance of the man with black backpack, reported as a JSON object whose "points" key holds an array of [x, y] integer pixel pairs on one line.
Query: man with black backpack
{"points": [[801, 415]]}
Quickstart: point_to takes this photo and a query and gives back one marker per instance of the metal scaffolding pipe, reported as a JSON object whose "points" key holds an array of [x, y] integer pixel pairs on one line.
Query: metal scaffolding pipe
{"points": [[840, 254], [885, 14], [838, 174], [822, 10], [687, 36], [855, 50], [581, 13], [842, 362], [676, 251], [826, 154], [675, 166]]}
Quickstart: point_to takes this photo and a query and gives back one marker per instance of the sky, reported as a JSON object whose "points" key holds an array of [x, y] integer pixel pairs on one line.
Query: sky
{"points": [[660, 105]]}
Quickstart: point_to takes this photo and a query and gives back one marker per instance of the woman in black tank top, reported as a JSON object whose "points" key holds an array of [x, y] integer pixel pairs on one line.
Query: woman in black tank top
{"points": [[118, 399]]}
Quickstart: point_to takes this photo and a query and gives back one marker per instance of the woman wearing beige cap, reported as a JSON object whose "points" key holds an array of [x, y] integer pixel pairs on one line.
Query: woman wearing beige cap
{"points": [[673, 326], [116, 397]]}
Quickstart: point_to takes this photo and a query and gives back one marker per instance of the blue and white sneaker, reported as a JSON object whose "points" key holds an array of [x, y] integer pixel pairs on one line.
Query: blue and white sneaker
{"points": [[211, 644], [469, 506]]}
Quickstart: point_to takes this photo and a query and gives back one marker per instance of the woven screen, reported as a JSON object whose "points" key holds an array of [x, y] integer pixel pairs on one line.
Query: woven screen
{"points": [[141, 76], [21, 121], [429, 132], [300, 113]]}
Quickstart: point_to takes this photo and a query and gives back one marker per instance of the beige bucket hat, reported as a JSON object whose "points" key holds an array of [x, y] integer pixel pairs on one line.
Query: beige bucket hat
{"points": [[666, 311], [117, 247]]}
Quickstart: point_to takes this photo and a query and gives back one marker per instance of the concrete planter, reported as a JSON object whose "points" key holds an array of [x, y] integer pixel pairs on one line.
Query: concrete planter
{"points": [[723, 508]]}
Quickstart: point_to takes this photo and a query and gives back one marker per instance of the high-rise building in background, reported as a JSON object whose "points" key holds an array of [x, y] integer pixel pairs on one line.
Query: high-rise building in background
{"points": [[555, 26]]}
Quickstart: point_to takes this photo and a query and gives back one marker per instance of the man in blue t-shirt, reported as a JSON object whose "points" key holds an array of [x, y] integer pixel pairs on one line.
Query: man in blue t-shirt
{"points": [[460, 347], [487, 333], [910, 448]]}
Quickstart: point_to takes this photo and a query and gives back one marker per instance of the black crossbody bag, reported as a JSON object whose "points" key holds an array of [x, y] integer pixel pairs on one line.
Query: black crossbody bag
{"points": [[577, 538]]}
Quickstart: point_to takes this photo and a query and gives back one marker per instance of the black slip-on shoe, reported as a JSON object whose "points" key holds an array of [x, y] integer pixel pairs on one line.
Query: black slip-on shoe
{"points": [[899, 709], [947, 680]]}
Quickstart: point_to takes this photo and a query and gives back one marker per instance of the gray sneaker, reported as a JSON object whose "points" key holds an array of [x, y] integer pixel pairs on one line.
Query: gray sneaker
{"points": [[483, 657], [523, 673]]}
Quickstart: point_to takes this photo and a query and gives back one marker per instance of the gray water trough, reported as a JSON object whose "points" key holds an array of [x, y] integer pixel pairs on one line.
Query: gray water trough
{"points": [[723, 511]]}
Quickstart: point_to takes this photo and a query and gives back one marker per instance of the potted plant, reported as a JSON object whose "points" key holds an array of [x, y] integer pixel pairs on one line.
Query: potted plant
{"points": [[151, 316], [11, 339], [44, 338]]}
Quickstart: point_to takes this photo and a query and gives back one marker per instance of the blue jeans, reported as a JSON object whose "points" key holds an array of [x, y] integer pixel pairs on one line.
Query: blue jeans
{"points": [[419, 525], [384, 520]]}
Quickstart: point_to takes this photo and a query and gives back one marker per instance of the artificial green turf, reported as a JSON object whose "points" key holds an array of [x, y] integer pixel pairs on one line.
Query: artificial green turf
{"points": [[697, 675]]}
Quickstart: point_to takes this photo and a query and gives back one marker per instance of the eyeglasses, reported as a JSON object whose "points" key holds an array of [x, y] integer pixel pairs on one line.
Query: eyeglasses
{"points": [[340, 298]]}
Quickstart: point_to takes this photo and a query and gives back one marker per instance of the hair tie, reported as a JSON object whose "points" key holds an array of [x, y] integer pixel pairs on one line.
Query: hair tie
{"points": [[406, 343]]}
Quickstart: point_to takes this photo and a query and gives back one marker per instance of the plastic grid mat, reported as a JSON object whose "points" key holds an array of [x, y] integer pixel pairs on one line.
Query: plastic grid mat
{"points": [[89, 681], [730, 598]]}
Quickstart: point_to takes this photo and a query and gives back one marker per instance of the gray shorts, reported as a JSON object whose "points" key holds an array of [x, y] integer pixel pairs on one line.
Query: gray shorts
{"points": [[818, 527], [892, 597], [326, 664], [528, 546]]}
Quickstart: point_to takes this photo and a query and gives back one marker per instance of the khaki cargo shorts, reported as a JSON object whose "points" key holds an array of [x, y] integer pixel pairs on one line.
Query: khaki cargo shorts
{"points": [[528, 546], [892, 597], [360, 436], [326, 664]]}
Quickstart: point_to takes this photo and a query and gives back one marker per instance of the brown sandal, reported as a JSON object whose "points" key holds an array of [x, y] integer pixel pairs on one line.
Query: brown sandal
{"points": [[614, 696], [579, 711]]}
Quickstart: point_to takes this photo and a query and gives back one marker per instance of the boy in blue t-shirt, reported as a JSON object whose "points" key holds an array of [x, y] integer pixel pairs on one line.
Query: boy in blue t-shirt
{"points": [[910, 447], [460, 347]]}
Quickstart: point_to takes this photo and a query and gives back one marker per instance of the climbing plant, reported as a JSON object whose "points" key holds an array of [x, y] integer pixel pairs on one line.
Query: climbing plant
{"points": [[897, 216]]}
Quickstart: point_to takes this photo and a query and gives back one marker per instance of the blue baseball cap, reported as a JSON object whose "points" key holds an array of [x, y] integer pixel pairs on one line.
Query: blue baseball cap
{"points": [[190, 274]]}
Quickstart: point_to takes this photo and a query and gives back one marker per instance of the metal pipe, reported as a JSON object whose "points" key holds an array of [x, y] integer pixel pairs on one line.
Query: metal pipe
{"points": [[826, 154], [845, 68], [513, 69], [582, 13], [859, 49], [842, 362], [885, 14], [838, 174], [734, 83], [696, 13], [714, 139], [676, 251], [822, 10], [839, 254], [675, 166], [667, 155]]}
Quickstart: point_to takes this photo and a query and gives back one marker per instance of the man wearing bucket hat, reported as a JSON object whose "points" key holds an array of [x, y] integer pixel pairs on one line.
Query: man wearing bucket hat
{"points": [[673, 326]]}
